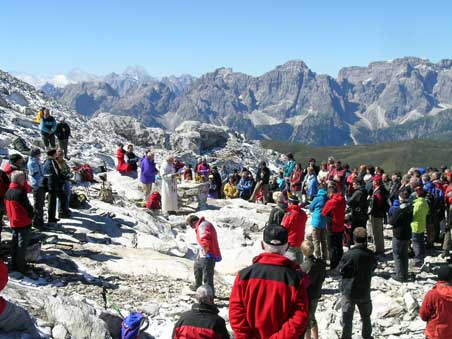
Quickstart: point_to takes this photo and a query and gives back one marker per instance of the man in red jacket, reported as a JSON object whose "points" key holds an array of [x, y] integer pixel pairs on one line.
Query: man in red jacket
{"points": [[202, 321], [269, 298], [294, 222], [208, 251], [20, 212], [334, 211], [436, 308]]}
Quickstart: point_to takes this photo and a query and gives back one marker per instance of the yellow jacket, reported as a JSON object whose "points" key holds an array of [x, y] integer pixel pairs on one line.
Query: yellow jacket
{"points": [[230, 191], [39, 116]]}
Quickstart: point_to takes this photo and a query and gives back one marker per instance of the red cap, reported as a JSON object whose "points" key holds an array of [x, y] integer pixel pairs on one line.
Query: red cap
{"points": [[3, 275]]}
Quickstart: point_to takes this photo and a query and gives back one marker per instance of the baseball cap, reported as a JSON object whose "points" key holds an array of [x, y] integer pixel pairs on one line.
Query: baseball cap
{"points": [[275, 235], [444, 273]]}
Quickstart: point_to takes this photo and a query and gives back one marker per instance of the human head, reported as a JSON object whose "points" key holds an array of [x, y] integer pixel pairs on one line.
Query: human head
{"points": [[262, 164], [275, 239], [307, 248], [16, 160], [191, 220], [51, 153], [298, 167], [231, 180], [355, 183], [331, 160], [311, 162], [150, 155], [293, 200], [120, 145], [18, 177], [404, 196], [35, 153], [360, 235], [444, 273], [338, 164], [204, 294], [377, 181], [211, 177], [59, 153], [278, 197], [310, 170], [62, 119], [46, 113], [332, 190], [130, 148], [420, 192], [289, 156], [324, 165], [170, 159]]}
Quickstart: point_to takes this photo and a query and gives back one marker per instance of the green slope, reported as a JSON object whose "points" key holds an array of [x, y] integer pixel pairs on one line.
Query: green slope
{"points": [[391, 156]]}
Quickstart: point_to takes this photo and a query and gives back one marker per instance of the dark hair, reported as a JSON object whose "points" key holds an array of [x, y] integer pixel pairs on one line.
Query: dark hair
{"points": [[290, 156], [332, 189], [360, 235], [191, 219]]}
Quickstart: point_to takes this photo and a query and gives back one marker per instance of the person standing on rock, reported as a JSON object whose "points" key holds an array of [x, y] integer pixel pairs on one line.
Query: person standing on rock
{"points": [[436, 308], [315, 268], [66, 175], [334, 212], [208, 251], [202, 321], [294, 222], [169, 186], [289, 167], [358, 205], [148, 173], [378, 209], [269, 299], [36, 176], [356, 269], [262, 181], [318, 223], [20, 214], [63, 132], [419, 226], [400, 217], [48, 127]]}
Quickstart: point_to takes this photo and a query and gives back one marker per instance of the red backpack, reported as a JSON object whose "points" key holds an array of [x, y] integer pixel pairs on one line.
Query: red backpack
{"points": [[86, 173], [154, 201]]}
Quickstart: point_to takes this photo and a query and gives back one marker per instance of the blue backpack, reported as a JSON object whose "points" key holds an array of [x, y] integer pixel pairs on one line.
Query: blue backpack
{"points": [[132, 325]]}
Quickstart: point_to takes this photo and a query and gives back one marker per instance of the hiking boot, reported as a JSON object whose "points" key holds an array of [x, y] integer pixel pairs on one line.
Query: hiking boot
{"points": [[193, 288]]}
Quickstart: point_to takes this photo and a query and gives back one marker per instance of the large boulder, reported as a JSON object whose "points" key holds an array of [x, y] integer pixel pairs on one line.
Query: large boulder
{"points": [[198, 137]]}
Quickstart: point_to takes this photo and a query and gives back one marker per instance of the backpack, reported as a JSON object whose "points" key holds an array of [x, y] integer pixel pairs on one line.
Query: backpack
{"points": [[4, 184], [77, 200], [20, 145], [86, 173], [154, 201], [132, 325], [106, 194]]}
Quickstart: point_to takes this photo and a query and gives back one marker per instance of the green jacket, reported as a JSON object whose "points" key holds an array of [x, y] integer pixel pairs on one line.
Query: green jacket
{"points": [[420, 212]]}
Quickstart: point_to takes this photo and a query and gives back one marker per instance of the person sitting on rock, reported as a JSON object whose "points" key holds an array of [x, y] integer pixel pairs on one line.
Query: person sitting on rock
{"points": [[122, 166], [20, 214], [203, 167], [202, 321], [188, 173], [244, 186], [436, 308], [356, 269], [279, 211], [230, 189], [132, 159], [14, 318], [208, 251], [213, 192]]}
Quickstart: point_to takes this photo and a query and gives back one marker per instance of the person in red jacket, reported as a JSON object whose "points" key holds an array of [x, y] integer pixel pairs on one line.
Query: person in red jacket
{"points": [[334, 211], [436, 308], [208, 252], [294, 222], [122, 167], [269, 299], [16, 163], [20, 213], [202, 321]]}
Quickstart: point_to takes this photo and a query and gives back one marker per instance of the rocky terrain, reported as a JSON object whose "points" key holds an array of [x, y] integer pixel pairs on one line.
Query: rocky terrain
{"points": [[386, 101], [118, 256]]}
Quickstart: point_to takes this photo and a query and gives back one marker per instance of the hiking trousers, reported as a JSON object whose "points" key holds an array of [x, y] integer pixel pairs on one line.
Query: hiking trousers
{"points": [[348, 310], [377, 233], [319, 240], [16, 318], [204, 269], [21, 237], [418, 240], [49, 141], [400, 251], [257, 189], [52, 204], [335, 248], [63, 143], [39, 196]]}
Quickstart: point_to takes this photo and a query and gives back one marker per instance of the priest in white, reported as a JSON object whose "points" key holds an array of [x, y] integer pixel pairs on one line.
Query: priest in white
{"points": [[169, 186]]}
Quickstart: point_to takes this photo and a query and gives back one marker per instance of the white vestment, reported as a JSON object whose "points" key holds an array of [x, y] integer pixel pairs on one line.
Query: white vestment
{"points": [[169, 188]]}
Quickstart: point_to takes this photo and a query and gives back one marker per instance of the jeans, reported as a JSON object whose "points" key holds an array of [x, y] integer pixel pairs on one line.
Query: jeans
{"points": [[147, 189], [418, 240], [377, 233], [204, 269], [63, 143], [400, 251], [319, 240], [49, 140], [21, 237], [348, 309], [52, 204], [67, 198], [39, 196], [335, 248]]}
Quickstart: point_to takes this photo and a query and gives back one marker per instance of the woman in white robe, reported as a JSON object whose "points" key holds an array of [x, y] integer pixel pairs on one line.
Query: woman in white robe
{"points": [[169, 186]]}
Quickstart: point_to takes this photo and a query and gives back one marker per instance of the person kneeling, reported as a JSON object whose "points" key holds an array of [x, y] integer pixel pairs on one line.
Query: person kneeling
{"points": [[202, 321]]}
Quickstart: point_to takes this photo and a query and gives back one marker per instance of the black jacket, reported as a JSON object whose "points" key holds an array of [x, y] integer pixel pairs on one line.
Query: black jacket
{"points": [[202, 321], [53, 179], [63, 131], [394, 192], [315, 268], [277, 214], [401, 220], [356, 268], [358, 206], [263, 174]]}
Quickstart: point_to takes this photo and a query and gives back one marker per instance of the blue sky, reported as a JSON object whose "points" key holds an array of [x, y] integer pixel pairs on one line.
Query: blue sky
{"points": [[173, 37]]}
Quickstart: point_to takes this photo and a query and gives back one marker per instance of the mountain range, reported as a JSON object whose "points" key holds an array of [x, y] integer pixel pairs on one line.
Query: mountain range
{"points": [[400, 99]]}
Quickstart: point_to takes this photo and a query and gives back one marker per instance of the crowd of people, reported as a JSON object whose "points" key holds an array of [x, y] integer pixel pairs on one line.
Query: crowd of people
{"points": [[277, 296]]}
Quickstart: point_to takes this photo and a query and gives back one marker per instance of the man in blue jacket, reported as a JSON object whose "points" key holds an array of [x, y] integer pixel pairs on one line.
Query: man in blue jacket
{"points": [[48, 128], [36, 176]]}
